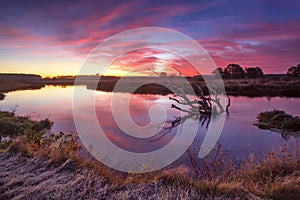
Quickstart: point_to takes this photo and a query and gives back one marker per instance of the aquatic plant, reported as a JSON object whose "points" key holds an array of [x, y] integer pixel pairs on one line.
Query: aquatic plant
{"points": [[278, 120]]}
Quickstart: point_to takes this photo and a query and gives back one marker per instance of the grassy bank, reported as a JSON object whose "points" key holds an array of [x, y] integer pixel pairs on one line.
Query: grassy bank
{"points": [[51, 167], [13, 126], [56, 171], [237, 87], [282, 87], [263, 87], [8, 86], [279, 121]]}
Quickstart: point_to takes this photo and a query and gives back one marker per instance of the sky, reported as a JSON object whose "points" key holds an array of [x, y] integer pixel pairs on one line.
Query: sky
{"points": [[55, 37]]}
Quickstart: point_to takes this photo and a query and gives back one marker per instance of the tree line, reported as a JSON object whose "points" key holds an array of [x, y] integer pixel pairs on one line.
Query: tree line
{"points": [[235, 71], [294, 71]]}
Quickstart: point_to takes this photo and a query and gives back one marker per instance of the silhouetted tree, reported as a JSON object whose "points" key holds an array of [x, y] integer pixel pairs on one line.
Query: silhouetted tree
{"points": [[218, 69], [294, 71], [254, 72], [224, 75], [235, 71]]}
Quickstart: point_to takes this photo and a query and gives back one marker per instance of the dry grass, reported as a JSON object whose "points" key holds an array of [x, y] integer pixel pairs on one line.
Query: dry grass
{"points": [[41, 176], [52, 167], [55, 170], [275, 175]]}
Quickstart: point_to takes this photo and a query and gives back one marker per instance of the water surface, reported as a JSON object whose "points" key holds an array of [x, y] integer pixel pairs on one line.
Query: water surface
{"points": [[239, 135]]}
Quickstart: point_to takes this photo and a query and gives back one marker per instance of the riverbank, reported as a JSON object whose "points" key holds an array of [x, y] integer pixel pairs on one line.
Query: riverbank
{"points": [[51, 167], [9, 86], [263, 87], [32, 172], [279, 87], [234, 87]]}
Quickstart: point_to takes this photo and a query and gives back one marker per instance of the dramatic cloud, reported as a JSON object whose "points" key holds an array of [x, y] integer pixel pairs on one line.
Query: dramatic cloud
{"points": [[254, 33]]}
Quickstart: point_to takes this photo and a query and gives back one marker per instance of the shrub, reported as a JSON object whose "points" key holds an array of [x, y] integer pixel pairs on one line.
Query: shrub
{"points": [[13, 126], [2, 96], [277, 119]]}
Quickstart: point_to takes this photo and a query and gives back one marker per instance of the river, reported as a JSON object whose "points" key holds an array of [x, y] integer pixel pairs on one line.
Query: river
{"points": [[239, 136]]}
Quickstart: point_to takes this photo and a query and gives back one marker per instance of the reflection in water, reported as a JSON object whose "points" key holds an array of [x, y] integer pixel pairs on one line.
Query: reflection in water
{"points": [[139, 106], [287, 136], [169, 126], [239, 135]]}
